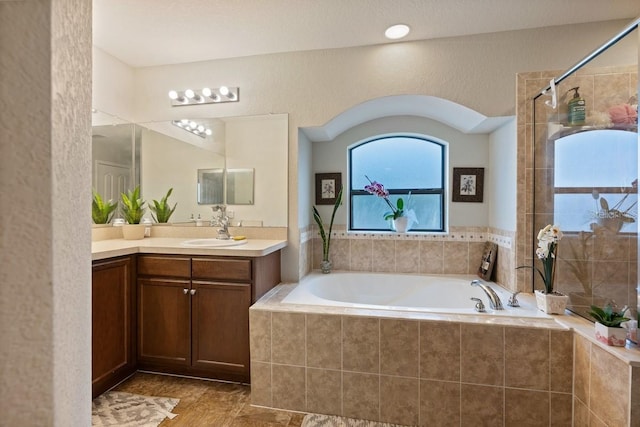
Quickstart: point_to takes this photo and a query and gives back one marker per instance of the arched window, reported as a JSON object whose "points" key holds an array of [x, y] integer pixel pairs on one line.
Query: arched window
{"points": [[411, 167]]}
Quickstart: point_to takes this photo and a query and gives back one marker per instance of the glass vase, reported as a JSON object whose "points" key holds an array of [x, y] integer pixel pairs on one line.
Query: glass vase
{"points": [[325, 266]]}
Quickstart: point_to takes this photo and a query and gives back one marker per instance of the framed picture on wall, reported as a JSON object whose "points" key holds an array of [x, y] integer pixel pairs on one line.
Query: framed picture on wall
{"points": [[468, 184], [327, 187]]}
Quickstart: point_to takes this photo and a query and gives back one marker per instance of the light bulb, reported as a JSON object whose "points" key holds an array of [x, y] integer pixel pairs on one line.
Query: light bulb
{"points": [[184, 121], [208, 132], [396, 32], [189, 93], [173, 94], [224, 91], [200, 128], [206, 91], [193, 125]]}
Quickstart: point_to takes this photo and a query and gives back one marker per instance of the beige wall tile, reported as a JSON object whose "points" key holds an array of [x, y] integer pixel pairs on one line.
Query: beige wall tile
{"points": [[482, 406], [339, 254], [399, 347], [324, 391], [383, 256], [361, 396], [288, 338], [561, 410], [609, 398], [561, 361], [399, 403], [440, 351], [260, 335], [582, 361], [361, 253], [360, 344], [431, 257], [324, 341], [288, 387], [526, 408], [456, 258], [476, 249], [439, 403], [261, 384], [594, 421], [482, 354], [526, 358], [635, 396], [580, 413], [407, 256]]}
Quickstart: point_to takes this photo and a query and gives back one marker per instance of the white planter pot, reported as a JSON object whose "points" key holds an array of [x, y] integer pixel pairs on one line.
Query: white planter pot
{"points": [[401, 224], [610, 336], [551, 303], [133, 231]]}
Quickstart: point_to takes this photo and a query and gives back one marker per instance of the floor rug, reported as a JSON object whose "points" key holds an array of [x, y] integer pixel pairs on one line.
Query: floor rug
{"points": [[116, 408], [319, 420]]}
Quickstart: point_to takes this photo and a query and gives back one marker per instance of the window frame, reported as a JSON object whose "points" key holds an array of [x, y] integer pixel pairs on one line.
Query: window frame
{"points": [[443, 191]]}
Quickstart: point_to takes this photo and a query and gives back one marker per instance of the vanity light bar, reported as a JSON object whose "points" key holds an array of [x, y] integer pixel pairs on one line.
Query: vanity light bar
{"points": [[192, 127], [204, 96]]}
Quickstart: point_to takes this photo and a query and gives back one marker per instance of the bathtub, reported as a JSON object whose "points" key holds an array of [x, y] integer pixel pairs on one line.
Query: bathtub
{"points": [[405, 292]]}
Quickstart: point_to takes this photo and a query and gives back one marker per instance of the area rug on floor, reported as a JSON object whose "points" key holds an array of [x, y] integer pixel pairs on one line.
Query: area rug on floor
{"points": [[117, 408], [319, 420]]}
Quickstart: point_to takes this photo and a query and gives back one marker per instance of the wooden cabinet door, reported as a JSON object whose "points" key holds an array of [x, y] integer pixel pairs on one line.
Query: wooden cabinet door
{"points": [[220, 320], [113, 323], [164, 322]]}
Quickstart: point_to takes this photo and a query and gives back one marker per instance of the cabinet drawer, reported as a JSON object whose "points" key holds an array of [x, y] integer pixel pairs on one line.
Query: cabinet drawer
{"points": [[221, 269], [151, 265]]}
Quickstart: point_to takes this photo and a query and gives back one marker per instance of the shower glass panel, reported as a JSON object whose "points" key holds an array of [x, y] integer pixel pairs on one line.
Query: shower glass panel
{"points": [[585, 177]]}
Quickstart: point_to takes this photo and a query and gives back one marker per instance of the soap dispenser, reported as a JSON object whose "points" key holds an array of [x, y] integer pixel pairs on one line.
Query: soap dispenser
{"points": [[577, 108]]}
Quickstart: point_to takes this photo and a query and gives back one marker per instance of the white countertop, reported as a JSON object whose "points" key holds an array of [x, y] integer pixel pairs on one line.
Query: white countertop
{"points": [[173, 245]]}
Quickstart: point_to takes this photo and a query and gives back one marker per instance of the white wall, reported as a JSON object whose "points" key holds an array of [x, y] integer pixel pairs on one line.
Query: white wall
{"points": [[260, 143], [502, 177], [113, 85], [465, 150]]}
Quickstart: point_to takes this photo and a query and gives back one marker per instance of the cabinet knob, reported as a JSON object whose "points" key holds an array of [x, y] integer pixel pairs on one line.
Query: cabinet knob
{"points": [[185, 290], [192, 291]]}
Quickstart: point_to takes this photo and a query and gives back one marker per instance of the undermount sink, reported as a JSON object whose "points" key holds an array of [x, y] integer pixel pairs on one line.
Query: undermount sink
{"points": [[212, 243]]}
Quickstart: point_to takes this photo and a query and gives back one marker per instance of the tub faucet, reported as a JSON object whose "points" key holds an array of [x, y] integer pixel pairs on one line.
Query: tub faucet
{"points": [[221, 221], [494, 299]]}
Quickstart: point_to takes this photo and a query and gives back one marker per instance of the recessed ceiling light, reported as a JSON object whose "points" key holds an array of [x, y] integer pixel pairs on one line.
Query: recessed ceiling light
{"points": [[397, 31]]}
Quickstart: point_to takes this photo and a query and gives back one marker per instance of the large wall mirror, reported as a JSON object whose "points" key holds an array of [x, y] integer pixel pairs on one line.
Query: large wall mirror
{"points": [[253, 151]]}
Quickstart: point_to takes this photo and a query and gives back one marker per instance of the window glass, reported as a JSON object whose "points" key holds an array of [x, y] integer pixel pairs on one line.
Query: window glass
{"points": [[404, 165]]}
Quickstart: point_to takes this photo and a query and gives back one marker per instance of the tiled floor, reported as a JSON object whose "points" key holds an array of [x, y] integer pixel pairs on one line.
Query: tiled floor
{"points": [[208, 403]]}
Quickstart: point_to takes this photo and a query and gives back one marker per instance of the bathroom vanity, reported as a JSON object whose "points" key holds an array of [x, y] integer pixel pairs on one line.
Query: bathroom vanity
{"points": [[160, 306]]}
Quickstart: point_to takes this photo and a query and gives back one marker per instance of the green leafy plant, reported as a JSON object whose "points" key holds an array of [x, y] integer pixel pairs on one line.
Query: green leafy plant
{"points": [[608, 316], [326, 237], [160, 210], [102, 211], [132, 206]]}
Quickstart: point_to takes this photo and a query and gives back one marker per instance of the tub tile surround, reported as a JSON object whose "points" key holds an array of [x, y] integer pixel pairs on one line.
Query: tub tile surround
{"points": [[457, 252], [421, 369]]}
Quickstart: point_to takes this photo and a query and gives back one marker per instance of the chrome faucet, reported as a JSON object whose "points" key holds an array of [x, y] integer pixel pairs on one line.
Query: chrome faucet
{"points": [[221, 221], [494, 299]]}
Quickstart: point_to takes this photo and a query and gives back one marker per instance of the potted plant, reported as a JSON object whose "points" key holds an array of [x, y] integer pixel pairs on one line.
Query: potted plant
{"points": [[549, 300], [325, 265], [132, 211], [608, 325], [160, 210], [102, 211], [402, 218]]}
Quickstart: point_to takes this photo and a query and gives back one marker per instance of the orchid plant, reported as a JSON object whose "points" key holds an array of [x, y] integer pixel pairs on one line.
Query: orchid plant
{"points": [[547, 252], [378, 189]]}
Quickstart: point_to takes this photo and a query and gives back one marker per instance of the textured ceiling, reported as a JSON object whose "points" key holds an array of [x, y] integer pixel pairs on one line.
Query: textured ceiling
{"points": [[155, 32]]}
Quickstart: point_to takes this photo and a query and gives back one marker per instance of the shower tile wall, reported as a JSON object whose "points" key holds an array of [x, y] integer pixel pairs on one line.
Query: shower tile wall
{"points": [[458, 252], [613, 264]]}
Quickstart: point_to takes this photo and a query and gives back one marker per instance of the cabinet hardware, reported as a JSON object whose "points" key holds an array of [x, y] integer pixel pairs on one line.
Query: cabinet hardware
{"points": [[192, 291], [185, 290]]}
